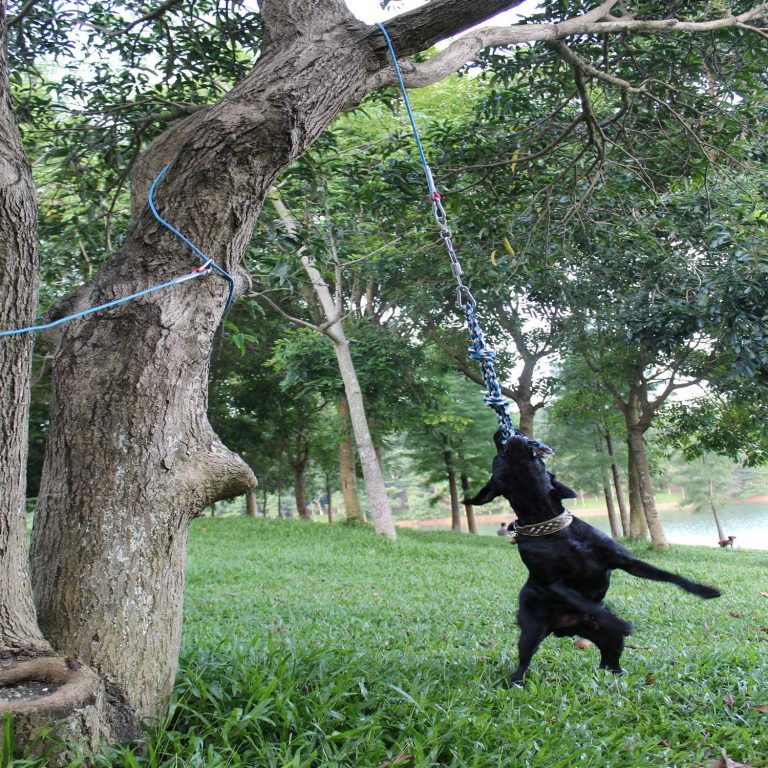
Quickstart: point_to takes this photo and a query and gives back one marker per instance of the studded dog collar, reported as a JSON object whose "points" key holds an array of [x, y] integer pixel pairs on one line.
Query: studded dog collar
{"points": [[553, 525]]}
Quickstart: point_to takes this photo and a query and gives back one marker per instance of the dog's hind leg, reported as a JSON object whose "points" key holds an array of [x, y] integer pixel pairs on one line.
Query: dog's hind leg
{"points": [[532, 631], [608, 621], [609, 643], [645, 570]]}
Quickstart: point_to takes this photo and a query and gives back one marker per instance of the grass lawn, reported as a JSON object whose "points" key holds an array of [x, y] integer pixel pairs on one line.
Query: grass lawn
{"points": [[315, 645]]}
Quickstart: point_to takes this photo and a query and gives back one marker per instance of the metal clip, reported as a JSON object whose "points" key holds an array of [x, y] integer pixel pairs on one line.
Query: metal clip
{"points": [[463, 290]]}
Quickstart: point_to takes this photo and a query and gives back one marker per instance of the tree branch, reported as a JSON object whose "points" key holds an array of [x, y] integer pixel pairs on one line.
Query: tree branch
{"points": [[22, 14], [596, 22]]}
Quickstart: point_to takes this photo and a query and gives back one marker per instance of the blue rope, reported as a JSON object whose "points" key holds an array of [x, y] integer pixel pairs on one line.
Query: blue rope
{"points": [[406, 101], [206, 261], [208, 265], [91, 310], [478, 349]]}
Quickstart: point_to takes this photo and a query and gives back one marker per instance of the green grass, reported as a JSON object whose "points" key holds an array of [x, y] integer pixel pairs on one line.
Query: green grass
{"points": [[309, 645]]}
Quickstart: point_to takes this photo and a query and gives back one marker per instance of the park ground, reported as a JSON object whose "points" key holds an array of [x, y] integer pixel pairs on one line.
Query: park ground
{"points": [[326, 646]]}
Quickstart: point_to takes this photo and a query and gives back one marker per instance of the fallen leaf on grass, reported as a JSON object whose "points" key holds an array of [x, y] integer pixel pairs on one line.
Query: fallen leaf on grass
{"points": [[725, 762], [636, 647], [736, 615], [760, 708], [764, 594], [403, 757], [729, 700], [581, 644]]}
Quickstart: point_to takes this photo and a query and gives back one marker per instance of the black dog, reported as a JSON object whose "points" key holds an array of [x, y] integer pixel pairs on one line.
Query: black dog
{"points": [[569, 562]]}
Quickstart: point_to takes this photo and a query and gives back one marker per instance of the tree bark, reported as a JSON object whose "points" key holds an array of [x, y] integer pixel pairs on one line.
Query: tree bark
{"points": [[638, 528], [606, 478], [75, 698], [353, 511], [299, 467], [329, 497], [468, 508], [639, 456], [251, 507], [617, 485], [613, 519], [450, 474], [18, 300]]}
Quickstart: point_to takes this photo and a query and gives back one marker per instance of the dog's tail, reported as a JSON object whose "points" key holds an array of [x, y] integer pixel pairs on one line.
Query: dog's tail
{"points": [[645, 570]]}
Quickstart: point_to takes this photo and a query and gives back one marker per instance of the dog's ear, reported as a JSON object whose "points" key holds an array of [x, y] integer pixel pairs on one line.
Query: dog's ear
{"points": [[487, 493], [562, 490]]}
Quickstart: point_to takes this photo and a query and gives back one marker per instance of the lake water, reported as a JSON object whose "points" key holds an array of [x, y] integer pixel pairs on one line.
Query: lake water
{"points": [[747, 522]]}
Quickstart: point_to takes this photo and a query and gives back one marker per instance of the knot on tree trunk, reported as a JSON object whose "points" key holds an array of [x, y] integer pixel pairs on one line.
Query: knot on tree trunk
{"points": [[215, 474]]}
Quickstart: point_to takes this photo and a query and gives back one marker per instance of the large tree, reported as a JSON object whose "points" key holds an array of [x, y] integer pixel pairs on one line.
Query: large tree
{"points": [[131, 457]]}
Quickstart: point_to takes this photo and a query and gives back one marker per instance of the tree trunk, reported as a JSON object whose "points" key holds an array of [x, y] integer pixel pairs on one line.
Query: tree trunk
{"points": [[299, 466], [468, 508], [623, 511], [640, 460], [329, 497], [612, 516], [450, 473], [251, 507], [280, 512], [76, 704], [638, 528], [353, 511], [606, 477], [527, 413], [373, 478], [713, 508], [18, 300]]}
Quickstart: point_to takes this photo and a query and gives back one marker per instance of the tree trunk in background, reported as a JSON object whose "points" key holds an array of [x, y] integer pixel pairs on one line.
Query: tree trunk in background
{"points": [[606, 478], [468, 508], [711, 497], [526, 415], [329, 497], [280, 512], [299, 466], [638, 528], [450, 473], [623, 511], [640, 459], [370, 462], [612, 516], [251, 507], [353, 510]]}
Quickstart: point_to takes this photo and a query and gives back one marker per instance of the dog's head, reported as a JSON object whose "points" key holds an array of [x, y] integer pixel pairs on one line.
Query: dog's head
{"points": [[520, 476]]}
